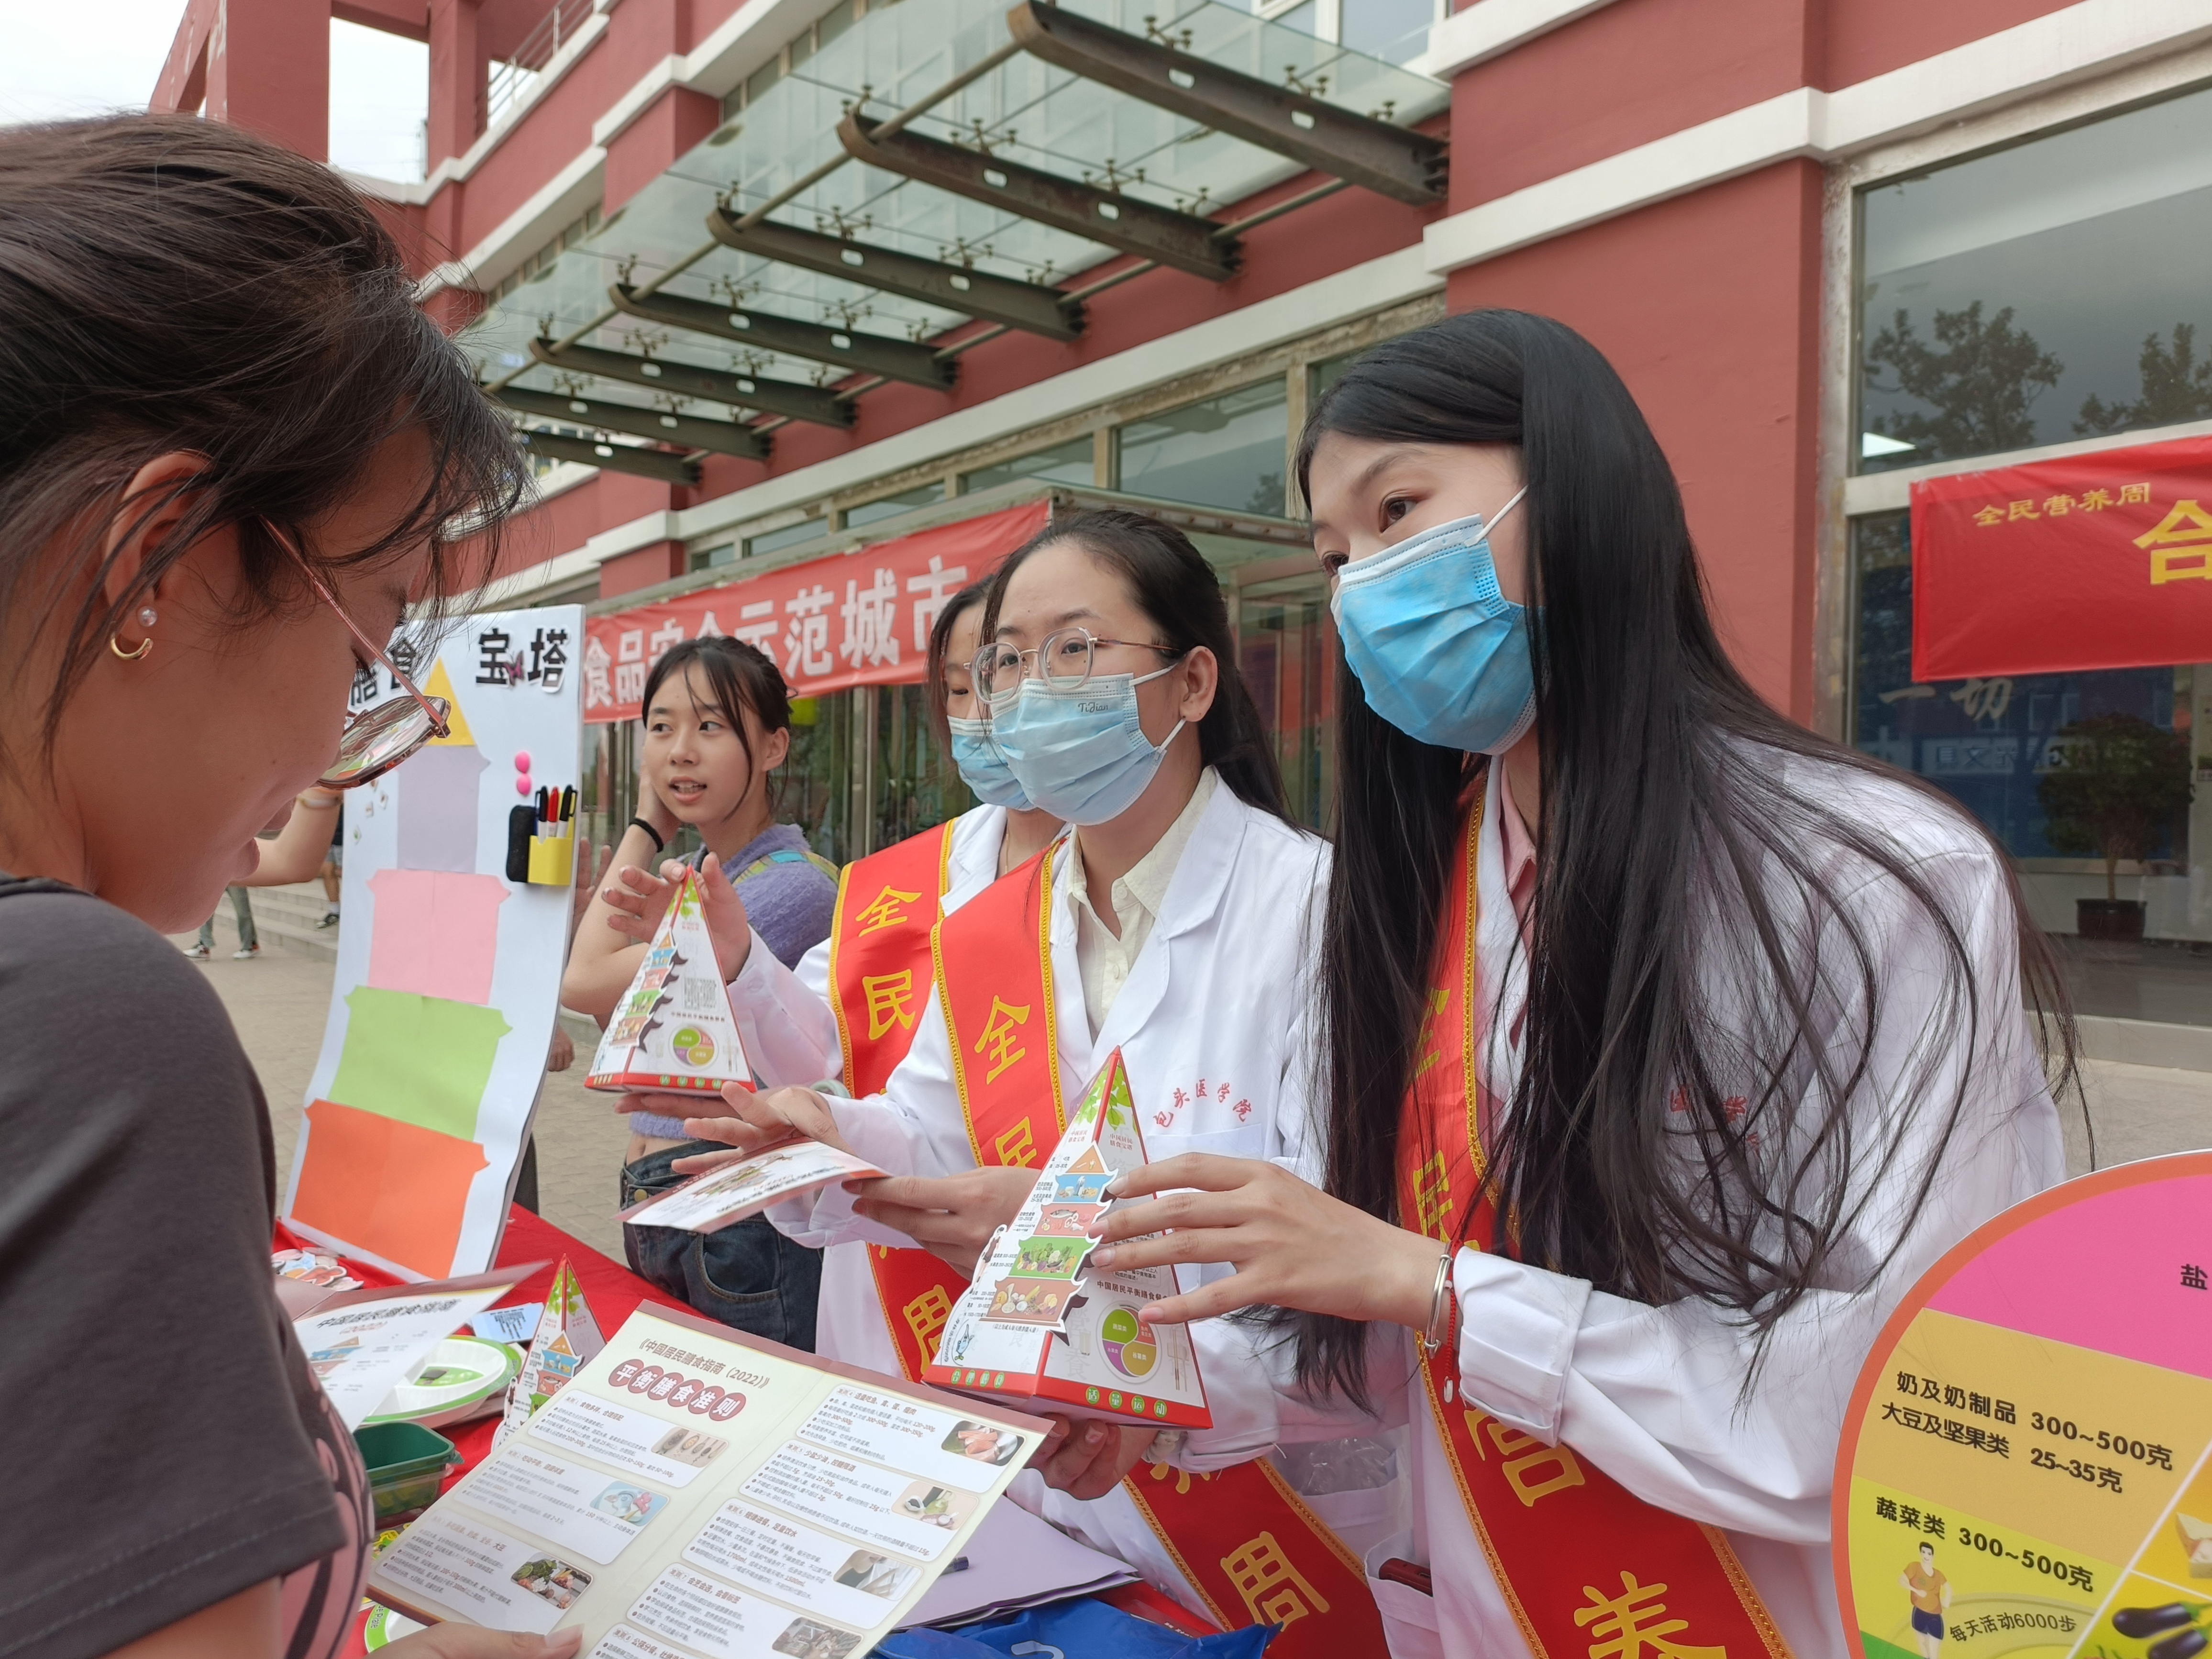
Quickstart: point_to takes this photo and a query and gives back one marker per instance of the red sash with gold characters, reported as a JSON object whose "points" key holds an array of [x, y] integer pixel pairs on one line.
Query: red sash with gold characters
{"points": [[1005, 1060], [879, 961], [1585, 1566], [1251, 1548]]}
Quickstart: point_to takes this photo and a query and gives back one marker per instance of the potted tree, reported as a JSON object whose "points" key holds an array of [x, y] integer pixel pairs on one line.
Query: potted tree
{"points": [[2117, 780]]}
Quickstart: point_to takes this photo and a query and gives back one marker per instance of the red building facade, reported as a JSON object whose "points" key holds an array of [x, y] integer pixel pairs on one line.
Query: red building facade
{"points": [[1833, 245]]}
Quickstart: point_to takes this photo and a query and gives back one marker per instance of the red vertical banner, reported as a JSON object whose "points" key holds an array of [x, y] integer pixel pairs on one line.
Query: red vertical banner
{"points": [[2100, 560], [857, 618]]}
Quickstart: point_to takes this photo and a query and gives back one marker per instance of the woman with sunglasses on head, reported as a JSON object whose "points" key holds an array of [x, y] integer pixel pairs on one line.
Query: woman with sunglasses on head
{"points": [[815, 1021], [1666, 1042], [1177, 923], [231, 449]]}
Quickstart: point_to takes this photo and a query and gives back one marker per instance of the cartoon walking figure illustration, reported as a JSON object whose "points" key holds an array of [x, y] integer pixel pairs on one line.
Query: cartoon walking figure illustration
{"points": [[1931, 1596]]}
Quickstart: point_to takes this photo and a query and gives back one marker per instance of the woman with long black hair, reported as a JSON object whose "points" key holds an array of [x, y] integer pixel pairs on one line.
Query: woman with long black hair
{"points": [[1668, 1043]]}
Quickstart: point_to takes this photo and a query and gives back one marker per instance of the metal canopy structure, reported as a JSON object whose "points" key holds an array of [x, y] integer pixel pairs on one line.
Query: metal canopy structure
{"points": [[737, 389], [1016, 154], [1166, 236], [661, 463], [870, 354], [690, 432]]}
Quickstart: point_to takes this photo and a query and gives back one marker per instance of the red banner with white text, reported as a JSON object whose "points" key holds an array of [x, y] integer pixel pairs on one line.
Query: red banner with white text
{"points": [[857, 618], [2101, 560]]}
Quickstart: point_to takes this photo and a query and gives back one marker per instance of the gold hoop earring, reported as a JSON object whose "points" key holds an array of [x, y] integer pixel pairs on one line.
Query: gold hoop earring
{"points": [[116, 646]]}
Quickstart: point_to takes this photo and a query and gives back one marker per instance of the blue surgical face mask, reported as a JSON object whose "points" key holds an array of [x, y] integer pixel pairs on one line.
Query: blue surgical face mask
{"points": [[1080, 754], [982, 768], [1440, 652]]}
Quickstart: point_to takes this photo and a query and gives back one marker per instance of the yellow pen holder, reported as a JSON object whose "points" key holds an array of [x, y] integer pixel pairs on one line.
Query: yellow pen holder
{"points": [[552, 861]]}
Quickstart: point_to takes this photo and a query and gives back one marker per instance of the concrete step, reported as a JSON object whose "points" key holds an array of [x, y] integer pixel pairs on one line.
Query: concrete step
{"points": [[284, 917]]}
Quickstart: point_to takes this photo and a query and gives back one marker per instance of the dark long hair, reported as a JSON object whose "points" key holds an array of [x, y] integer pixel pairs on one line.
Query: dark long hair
{"points": [[740, 677], [1664, 1141], [166, 284], [1181, 597], [941, 644]]}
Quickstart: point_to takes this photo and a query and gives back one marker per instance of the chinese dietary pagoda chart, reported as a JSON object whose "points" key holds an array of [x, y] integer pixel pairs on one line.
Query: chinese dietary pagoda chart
{"points": [[2024, 1465]]}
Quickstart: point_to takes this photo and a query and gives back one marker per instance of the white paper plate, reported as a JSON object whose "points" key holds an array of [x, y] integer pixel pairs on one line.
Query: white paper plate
{"points": [[463, 1377]]}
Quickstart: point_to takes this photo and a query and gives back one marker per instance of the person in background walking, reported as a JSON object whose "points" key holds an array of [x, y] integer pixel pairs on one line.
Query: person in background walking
{"points": [[249, 942]]}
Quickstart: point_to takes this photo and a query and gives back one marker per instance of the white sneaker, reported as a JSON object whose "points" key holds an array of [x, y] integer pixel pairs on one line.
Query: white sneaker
{"points": [[246, 954], [198, 952]]}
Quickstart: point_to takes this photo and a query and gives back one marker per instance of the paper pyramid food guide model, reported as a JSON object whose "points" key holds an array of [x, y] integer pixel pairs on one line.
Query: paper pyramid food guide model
{"points": [[673, 1028], [1033, 1326], [567, 1336]]}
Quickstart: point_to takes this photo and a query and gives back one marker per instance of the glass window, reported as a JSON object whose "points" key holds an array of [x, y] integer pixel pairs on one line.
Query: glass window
{"points": [[1070, 463], [791, 535], [916, 784], [1286, 648], [2047, 292], [1397, 31], [1227, 452], [890, 507], [813, 786], [1327, 372], [706, 558], [1990, 743]]}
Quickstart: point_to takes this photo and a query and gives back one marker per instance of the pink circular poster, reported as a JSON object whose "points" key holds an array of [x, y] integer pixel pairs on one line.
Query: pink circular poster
{"points": [[2023, 1467]]}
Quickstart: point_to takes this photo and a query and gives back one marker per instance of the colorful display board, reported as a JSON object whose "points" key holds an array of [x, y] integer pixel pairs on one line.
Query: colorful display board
{"points": [[2024, 1467], [448, 978]]}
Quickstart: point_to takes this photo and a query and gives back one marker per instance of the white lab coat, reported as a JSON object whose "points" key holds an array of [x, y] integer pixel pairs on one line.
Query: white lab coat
{"points": [[1652, 1395], [1214, 1024]]}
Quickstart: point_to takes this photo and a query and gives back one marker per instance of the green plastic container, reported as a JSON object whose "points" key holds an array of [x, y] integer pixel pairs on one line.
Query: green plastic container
{"points": [[407, 1464]]}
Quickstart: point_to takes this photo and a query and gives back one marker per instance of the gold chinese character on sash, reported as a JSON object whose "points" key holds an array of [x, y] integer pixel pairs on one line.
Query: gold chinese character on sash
{"points": [[1627, 1625], [1182, 1477], [2094, 501], [2135, 495], [2181, 545], [1017, 1148], [1532, 1468], [1431, 1048], [1274, 1591], [999, 1037], [886, 910], [1433, 1199], [925, 1315], [891, 999]]}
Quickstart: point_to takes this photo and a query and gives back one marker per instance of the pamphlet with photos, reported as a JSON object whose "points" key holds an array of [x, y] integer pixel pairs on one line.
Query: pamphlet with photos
{"points": [[673, 1028], [718, 1197], [1035, 1328], [567, 1335], [696, 1494]]}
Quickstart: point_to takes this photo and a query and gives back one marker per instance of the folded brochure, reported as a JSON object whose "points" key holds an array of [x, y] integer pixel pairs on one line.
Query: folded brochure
{"points": [[361, 1344], [696, 1492], [730, 1192], [1033, 1327], [674, 1029]]}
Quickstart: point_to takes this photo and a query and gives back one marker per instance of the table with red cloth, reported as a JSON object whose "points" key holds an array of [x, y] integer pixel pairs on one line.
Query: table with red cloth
{"points": [[613, 1293], [611, 1290]]}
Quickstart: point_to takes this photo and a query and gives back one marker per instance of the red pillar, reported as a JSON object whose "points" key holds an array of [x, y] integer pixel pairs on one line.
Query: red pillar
{"points": [[268, 69], [459, 71]]}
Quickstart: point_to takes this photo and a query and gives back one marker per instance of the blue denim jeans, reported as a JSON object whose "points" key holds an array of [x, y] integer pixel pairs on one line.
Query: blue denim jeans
{"points": [[748, 1275]]}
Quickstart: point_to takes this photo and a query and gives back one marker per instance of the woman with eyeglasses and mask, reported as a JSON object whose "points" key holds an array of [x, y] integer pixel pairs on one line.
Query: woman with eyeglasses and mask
{"points": [[846, 1010], [230, 447], [1178, 923], [1666, 1044]]}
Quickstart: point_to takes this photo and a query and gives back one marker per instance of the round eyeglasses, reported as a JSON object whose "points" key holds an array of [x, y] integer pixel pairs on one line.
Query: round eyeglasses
{"points": [[377, 739], [1063, 661]]}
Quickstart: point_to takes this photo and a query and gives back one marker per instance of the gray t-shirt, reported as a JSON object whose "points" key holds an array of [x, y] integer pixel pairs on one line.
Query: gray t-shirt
{"points": [[163, 1443]]}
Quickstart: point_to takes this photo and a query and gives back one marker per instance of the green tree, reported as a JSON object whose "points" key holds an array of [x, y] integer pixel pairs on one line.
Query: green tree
{"points": [[2118, 781], [1979, 377], [2176, 387]]}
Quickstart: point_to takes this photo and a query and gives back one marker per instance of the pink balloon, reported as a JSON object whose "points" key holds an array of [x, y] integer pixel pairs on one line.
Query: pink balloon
{"points": [[522, 784], [522, 760]]}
